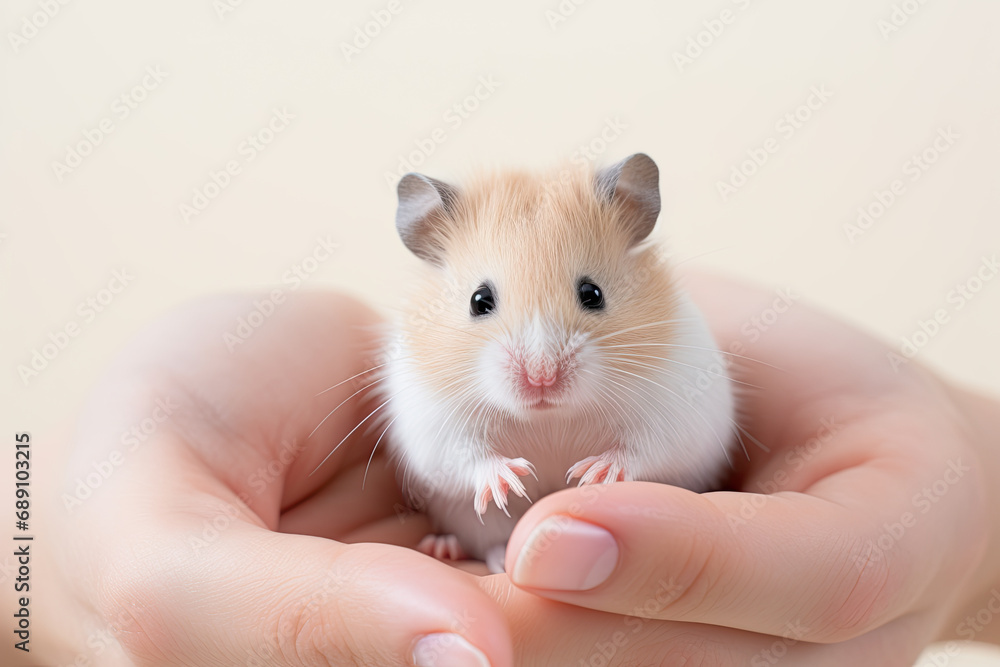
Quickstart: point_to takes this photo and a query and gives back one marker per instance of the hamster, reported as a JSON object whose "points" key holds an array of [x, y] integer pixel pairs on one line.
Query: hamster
{"points": [[545, 345]]}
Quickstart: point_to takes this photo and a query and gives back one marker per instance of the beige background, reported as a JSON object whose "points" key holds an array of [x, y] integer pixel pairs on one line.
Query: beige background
{"points": [[558, 86]]}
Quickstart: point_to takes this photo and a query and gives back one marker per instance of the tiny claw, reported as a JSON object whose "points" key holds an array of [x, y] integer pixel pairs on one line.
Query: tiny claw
{"points": [[502, 477], [522, 467], [603, 469]]}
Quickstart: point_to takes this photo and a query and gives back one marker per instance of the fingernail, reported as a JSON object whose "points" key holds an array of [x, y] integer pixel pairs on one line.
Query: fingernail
{"points": [[565, 554], [446, 649]]}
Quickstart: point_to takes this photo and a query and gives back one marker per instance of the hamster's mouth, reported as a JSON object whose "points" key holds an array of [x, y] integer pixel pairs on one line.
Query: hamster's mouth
{"points": [[540, 398]]}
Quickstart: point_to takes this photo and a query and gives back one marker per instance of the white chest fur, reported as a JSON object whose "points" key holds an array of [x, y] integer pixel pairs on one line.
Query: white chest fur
{"points": [[670, 419]]}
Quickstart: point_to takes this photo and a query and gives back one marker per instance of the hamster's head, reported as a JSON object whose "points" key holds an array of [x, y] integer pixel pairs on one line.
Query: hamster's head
{"points": [[540, 292]]}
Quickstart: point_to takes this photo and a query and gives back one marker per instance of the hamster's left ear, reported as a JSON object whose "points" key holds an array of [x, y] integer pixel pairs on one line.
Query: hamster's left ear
{"points": [[422, 203], [634, 184]]}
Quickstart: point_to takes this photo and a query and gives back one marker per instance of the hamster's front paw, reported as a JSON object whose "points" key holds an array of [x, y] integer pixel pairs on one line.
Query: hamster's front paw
{"points": [[604, 469], [495, 477]]}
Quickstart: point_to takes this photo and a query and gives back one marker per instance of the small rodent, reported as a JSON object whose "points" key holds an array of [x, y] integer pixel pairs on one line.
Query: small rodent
{"points": [[547, 344]]}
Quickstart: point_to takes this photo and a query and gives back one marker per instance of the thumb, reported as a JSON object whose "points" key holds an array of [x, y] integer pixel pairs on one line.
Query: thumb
{"points": [[254, 597]]}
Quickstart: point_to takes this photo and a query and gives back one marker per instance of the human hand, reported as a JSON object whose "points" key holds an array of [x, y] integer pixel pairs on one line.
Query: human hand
{"points": [[181, 548], [860, 526], [249, 594]]}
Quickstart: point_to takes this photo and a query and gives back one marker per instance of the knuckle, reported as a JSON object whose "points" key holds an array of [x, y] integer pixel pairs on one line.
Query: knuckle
{"points": [[865, 591], [306, 634], [688, 588], [321, 626]]}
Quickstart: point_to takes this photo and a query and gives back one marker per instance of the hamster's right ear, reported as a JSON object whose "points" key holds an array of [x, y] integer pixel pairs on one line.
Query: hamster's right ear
{"points": [[422, 203], [633, 183]]}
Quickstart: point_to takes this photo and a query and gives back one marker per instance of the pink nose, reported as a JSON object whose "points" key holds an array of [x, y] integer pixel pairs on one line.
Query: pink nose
{"points": [[536, 379]]}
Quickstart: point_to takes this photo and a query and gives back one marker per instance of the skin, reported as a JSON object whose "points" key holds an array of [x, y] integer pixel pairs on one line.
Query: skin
{"points": [[129, 560]]}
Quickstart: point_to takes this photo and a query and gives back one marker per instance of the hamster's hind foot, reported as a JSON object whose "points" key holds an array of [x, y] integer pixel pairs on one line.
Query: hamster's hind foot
{"points": [[442, 547], [495, 557]]}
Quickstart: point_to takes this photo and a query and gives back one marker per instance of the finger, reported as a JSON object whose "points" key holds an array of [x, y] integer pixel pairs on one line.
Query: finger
{"points": [[607, 547], [254, 597], [267, 405], [550, 633]]}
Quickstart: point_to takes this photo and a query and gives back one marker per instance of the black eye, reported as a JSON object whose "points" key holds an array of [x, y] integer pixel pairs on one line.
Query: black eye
{"points": [[591, 296], [482, 301]]}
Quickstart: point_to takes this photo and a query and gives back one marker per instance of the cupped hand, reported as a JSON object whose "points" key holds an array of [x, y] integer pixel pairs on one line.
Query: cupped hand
{"points": [[857, 524], [858, 521], [194, 533]]}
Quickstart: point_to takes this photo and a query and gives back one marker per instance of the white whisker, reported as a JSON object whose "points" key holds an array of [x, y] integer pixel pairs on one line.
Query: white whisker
{"points": [[695, 347], [351, 378], [351, 432], [365, 478], [642, 326], [624, 357], [329, 414]]}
